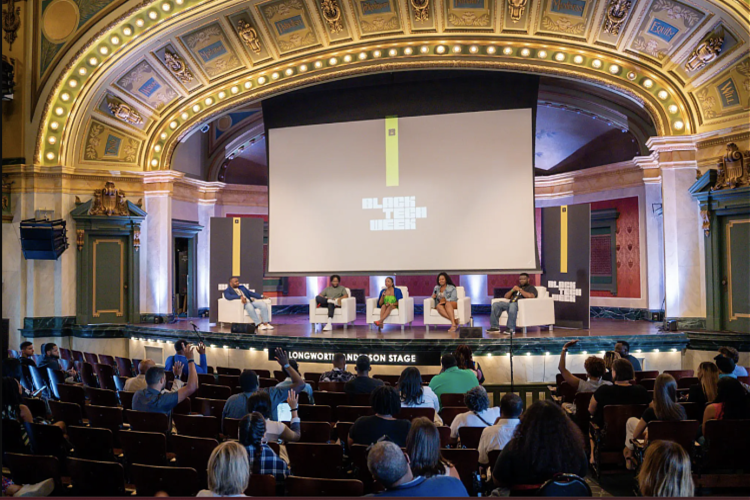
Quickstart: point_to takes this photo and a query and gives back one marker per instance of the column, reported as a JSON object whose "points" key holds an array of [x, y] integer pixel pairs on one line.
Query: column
{"points": [[206, 210], [155, 252], [654, 232]]}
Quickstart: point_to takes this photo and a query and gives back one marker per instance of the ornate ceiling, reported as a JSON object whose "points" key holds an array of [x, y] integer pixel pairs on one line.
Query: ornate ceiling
{"points": [[132, 79]]}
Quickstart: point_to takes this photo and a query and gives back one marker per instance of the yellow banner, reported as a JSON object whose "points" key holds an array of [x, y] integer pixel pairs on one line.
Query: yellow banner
{"points": [[236, 246], [391, 151], [564, 239]]}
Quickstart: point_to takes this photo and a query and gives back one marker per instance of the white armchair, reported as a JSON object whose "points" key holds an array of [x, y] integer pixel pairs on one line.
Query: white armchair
{"points": [[463, 311], [533, 312], [401, 316], [233, 311], [345, 314]]}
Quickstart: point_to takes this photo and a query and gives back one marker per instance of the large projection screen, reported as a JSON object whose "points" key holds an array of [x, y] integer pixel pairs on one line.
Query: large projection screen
{"points": [[403, 195]]}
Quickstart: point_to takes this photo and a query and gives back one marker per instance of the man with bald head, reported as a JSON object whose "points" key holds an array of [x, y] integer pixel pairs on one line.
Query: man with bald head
{"points": [[139, 383]]}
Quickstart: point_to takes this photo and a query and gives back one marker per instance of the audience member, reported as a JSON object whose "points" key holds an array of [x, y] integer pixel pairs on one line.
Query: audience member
{"points": [[390, 467], [546, 442], [14, 409], [228, 471], [623, 349], [51, 359], [594, 367], [524, 290], [704, 391], [730, 402], [260, 402], [261, 457], [388, 300], [288, 383], [385, 403], [423, 450], [27, 353], [331, 297], [609, 359], [664, 407], [497, 436], [734, 355], [666, 471], [179, 348], [138, 383], [465, 361], [620, 393], [726, 366], [12, 368], [339, 373], [236, 405], [451, 380], [480, 413], [362, 383], [41, 489], [445, 297], [416, 395], [252, 303]]}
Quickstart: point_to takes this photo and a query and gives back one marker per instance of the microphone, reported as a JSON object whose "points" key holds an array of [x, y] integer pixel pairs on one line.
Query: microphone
{"points": [[197, 331]]}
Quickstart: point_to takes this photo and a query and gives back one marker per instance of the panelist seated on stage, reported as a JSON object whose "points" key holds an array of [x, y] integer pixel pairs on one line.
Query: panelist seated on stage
{"points": [[388, 300], [253, 303], [524, 290], [445, 296], [331, 297], [180, 347]]}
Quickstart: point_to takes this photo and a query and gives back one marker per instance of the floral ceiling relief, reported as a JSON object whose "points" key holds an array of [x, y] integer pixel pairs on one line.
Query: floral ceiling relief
{"points": [[568, 17], [147, 86], [377, 16], [289, 23], [726, 95], [210, 47], [469, 14], [666, 24], [107, 144]]}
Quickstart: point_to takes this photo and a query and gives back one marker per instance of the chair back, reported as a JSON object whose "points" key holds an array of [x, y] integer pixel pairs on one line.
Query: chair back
{"points": [[315, 432], [101, 397], [567, 392], [693, 411], [106, 359], [212, 391], [77, 356], [105, 374], [308, 486], [492, 455], [648, 383], [332, 399], [148, 448], [55, 377], [445, 435], [32, 469], [90, 357], [88, 377], [541, 292], [72, 394], [70, 413], [678, 374], [461, 292], [183, 408], [120, 383], [412, 413], [358, 455], [469, 436], [96, 478], [205, 378], [279, 375], [92, 443], [37, 379], [126, 399], [728, 444], [682, 432], [330, 386], [316, 413], [26, 381], [261, 485], [582, 416], [615, 418], [452, 399], [315, 459], [228, 380], [47, 440], [176, 481], [12, 437], [352, 413], [646, 374], [211, 407], [124, 367], [12, 353], [565, 485], [231, 428], [316, 377], [448, 413], [264, 382], [146, 421], [263, 373], [342, 432], [197, 425], [106, 417], [223, 370], [466, 462], [37, 407], [194, 452], [388, 379], [686, 382]]}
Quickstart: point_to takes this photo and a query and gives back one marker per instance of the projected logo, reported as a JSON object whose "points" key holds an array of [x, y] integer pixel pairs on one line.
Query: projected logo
{"points": [[401, 213]]}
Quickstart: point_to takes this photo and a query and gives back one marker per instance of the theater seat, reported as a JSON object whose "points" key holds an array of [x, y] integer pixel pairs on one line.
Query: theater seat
{"points": [[532, 312], [402, 315], [463, 311]]}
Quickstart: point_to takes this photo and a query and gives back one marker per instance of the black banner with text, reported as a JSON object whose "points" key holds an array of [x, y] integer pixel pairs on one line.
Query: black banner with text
{"points": [[376, 358]]}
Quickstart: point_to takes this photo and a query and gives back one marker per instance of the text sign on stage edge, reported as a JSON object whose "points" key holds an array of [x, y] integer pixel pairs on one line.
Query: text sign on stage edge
{"points": [[376, 358]]}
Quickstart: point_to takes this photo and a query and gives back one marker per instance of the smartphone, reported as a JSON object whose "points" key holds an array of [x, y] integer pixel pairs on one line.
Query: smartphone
{"points": [[38, 392]]}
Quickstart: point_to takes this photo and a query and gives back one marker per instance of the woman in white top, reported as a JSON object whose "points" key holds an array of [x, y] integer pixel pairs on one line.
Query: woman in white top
{"points": [[228, 471], [260, 401], [479, 415], [415, 395], [595, 368]]}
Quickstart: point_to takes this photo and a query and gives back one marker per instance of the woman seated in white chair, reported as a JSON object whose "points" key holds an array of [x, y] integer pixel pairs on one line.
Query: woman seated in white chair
{"points": [[445, 296], [251, 301], [388, 300]]}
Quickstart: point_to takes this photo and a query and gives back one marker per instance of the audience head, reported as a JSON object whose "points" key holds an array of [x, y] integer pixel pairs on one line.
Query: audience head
{"points": [[339, 361], [609, 359], [444, 279], [665, 399], [511, 405], [11, 393], [523, 279], [725, 365], [727, 352], [335, 280], [423, 448], [448, 361], [594, 367], [733, 395], [144, 366], [12, 368], [179, 345], [476, 399], [228, 469], [363, 365], [155, 378], [622, 348], [27, 349], [622, 371], [388, 465], [385, 400], [708, 375], [464, 358], [410, 386], [259, 402], [252, 429], [248, 381], [50, 349], [389, 283], [665, 471]]}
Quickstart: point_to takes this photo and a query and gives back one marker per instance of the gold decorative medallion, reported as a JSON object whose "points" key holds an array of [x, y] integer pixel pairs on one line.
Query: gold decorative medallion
{"points": [[125, 112], [421, 14], [79, 239], [137, 239], [109, 201], [11, 22], [516, 8], [177, 66], [705, 52], [706, 222], [332, 15], [249, 35], [734, 169], [614, 18]]}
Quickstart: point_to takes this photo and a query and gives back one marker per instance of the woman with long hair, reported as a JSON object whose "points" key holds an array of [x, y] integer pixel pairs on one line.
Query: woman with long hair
{"points": [[664, 407], [609, 360], [423, 448], [666, 471], [14, 409], [465, 360], [228, 471], [704, 391], [260, 401], [388, 300], [730, 402], [445, 296], [545, 443], [261, 458], [415, 395]]}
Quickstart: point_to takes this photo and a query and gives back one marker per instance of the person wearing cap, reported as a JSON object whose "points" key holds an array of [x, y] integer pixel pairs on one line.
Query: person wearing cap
{"points": [[362, 383], [734, 355], [726, 366], [200, 367]]}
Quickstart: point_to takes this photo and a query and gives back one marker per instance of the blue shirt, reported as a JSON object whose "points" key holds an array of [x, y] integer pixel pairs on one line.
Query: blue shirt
{"points": [[199, 368], [236, 405], [436, 486], [288, 384], [154, 401]]}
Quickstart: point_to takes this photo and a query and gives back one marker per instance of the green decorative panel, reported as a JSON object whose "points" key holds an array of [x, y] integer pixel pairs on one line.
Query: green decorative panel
{"points": [[736, 269], [108, 280]]}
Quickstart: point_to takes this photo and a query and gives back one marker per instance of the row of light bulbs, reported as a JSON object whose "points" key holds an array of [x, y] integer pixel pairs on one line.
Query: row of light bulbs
{"points": [[214, 346], [583, 353]]}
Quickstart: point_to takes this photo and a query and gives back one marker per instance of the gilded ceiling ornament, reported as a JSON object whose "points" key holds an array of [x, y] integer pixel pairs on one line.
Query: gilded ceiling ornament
{"points": [[516, 8], [617, 12], [11, 22], [249, 36], [177, 66], [734, 169], [332, 15], [705, 52], [109, 201], [125, 112], [420, 10]]}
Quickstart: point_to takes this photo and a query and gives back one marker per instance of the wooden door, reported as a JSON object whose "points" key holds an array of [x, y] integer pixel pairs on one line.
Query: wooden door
{"points": [[735, 273], [109, 279]]}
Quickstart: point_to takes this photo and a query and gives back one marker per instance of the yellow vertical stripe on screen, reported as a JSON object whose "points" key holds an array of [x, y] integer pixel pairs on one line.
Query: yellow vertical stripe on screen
{"points": [[391, 151], [564, 239], [236, 246]]}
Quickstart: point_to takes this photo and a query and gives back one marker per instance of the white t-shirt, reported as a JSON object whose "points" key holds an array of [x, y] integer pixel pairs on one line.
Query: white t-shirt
{"points": [[469, 419], [429, 400], [496, 437]]}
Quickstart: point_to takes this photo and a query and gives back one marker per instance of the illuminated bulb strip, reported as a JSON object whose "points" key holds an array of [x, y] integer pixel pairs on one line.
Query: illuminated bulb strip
{"points": [[541, 54], [424, 49], [115, 40], [456, 49], [507, 51], [408, 51], [614, 69], [275, 75], [184, 116], [560, 56], [679, 125], [196, 108], [648, 83], [289, 72], [491, 49], [597, 63], [673, 108], [139, 23], [525, 52], [153, 14], [50, 155], [222, 94], [440, 49], [82, 71], [473, 49], [663, 95], [393, 52], [578, 59], [236, 89], [154, 162], [362, 56], [348, 57], [127, 31]]}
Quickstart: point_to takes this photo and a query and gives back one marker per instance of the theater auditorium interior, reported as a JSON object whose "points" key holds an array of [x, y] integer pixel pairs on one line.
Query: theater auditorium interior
{"points": [[488, 213]]}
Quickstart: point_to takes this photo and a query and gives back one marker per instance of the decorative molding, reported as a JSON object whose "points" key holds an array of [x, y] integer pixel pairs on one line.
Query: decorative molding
{"points": [[125, 112], [615, 16], [705, 52], [11, 22], [332, 15], [734, 169], [79, 238], [109, 201], [706, 222], [516, 8], [177, 66], [137, 239], [249, 36], [421, 10]]}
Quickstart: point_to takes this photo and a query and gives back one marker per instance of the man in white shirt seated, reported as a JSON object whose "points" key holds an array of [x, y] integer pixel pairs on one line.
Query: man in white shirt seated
{"points": [[497, 436]]}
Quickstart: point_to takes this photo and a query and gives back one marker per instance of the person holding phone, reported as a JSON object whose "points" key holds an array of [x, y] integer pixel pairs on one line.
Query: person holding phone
{"points": [[445, 296]]}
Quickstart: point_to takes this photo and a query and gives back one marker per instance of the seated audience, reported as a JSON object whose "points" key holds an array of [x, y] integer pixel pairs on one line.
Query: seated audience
{"points": [[609, 359], [546, 443], [367, 430], [704, 391], [27, 353], [415, 395], [179, 348], [730, 402], [664, 407], [594, 372], [362, 383], [51, 359], [14, 409], [465, 361], [451, 380], [423, 450], [445, 297], [726, 366], [252, 303], [41, 489], [479, 415], [727, 352], [138, 383], [228, 471], [666, 471], [236, 405], [388, 300], [331, 297], [339, 373], [12, 368], [623, 349], [496, 436], [288, 383], [620, 393], [390, 467], [261, 457], [260, 402]]}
